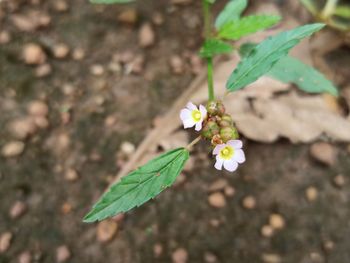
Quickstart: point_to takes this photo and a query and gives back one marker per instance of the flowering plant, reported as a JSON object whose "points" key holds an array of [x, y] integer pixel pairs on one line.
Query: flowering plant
{"points": [[211, 121]]}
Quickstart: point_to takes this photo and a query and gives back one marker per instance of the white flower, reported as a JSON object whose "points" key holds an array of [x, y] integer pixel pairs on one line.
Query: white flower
{"points": [[229, 155], [192, 116]]}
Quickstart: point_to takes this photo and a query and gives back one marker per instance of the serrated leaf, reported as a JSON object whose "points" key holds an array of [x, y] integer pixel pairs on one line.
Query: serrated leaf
{"points": [[262, 58], [292, 70], [247, 25], [231, 12], [111, 1], [212, 47], [140, 185]]}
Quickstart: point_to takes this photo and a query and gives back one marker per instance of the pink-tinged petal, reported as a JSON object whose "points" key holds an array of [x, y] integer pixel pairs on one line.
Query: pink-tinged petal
{"points": [[191, 106], [218, 164], [237, 144], [188, 123], [230, 165], [239, 156], [218, 148], [185, 114], [198, 126], [203, 111]]}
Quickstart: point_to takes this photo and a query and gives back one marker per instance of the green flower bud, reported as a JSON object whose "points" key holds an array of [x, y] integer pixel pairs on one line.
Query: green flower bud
{"points": [[220, 108], [228, 133], [212, 108], [226, 121], [210, 129]]}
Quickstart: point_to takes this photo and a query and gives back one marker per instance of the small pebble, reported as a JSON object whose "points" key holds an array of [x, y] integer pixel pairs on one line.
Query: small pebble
{"points": [[339, 180], [66, 208], [71, 175], [5, 37], [38, 108], [176, 64], [229, 191], [60, 6], [97, 70], [25, 257], [210, 257], [127, 148], [157, 250], [17, 209], [157, 18], [324, 153], [218, 185], [128, 16], [106, 230], [60, 51], [41, 122], [249, 202], [217, 200], [215, 222], [78, 54], [271, 258], [311, 193], [33, 54], [180, 255], [328, 245], [5, 241], [267, 231], [62, 254], [43, 70], [12, 149], [146, 35], [276, 221], [21, 128]]}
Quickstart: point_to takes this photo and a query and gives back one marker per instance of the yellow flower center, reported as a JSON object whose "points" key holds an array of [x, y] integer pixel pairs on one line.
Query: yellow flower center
{"points": [[227, 153], [196, 115]]}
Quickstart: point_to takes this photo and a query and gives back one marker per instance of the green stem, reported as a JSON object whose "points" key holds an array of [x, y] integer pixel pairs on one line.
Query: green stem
{"points": [[329, 8], [211, 95], [207, 33]]}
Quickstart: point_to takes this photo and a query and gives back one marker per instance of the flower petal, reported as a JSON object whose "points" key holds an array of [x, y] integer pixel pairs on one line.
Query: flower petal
{"points": [[185, 114], [191, 106], [218, 164], [203, 111], [218, 148], [230, 165], [188, 123], [198, 126], [239, 156], [237, 144]]}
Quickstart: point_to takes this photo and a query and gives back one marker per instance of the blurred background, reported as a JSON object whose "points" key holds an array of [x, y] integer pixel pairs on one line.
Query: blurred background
{"points": [[82, 85]]}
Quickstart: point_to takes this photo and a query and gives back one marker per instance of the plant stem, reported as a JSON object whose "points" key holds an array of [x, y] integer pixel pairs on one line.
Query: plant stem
{"points": [[207, 33], [329, 8], [188, 147]]}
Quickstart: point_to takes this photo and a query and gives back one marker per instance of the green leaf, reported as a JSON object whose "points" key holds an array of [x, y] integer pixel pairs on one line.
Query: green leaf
{"points": [[262, 58], [342, 11], [231, 12], [214, 47], [140, 185], [292, 70], [111, 1], [247, 25]]}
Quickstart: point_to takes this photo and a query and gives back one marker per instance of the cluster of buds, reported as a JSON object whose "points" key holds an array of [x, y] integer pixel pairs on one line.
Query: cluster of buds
{"points": [[219, 126]]}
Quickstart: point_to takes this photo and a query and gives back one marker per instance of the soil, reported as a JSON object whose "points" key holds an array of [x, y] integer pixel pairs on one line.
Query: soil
{"points": [[276, 175]]}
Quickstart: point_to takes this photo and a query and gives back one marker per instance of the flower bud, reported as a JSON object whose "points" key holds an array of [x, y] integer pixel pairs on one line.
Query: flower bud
{"points": [[212, 107], [228, 133], [216, 140], [226, 121], [220, 108], [210, 129]]}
